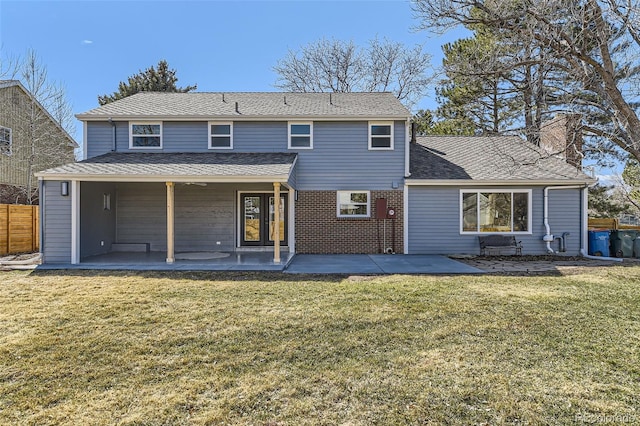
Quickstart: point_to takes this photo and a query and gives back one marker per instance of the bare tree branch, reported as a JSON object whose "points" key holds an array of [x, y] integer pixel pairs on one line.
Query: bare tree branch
{"points": [[338, 66]]}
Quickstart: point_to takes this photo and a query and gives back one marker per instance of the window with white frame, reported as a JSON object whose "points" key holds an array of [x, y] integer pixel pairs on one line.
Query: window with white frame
{"points": [[495, 211], [300, 135], [5, 140], [145, 135], [353, 204], [381, 135], [220, 135]]}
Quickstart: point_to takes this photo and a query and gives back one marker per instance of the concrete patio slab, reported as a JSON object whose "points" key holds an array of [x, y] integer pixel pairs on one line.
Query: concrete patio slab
{"points": [[263, 261], [377, 264], [333, 264], [155, 261], [421, 264]]}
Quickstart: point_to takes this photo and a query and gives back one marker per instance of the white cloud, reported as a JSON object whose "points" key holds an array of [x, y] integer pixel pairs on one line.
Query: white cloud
{"points": [[87, 41]]}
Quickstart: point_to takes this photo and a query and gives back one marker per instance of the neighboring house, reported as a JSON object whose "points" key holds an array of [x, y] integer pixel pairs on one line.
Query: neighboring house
{"points": [[30, 140], [217, 171]]}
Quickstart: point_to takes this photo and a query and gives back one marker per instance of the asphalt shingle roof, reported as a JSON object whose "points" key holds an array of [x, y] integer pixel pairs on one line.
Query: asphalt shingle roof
{"points": [[486, 158], [186, 165], [259, 104]]}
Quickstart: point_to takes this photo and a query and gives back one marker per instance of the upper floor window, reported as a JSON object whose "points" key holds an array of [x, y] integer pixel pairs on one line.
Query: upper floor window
{"points": [[381, 135], [495, 211], [220, 135], [353, 204], [145, 135], [300, 135], [5, 140]]}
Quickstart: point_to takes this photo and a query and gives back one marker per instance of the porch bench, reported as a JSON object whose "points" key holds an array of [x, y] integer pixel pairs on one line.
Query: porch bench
{"points": [[131, 247], [495, 244]]}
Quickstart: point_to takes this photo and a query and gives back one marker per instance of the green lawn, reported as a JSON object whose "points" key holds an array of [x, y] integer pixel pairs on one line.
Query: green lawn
{"points": [[271, 349]]}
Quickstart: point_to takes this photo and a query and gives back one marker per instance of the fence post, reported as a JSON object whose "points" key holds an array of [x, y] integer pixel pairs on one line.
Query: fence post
{"points": [[5, 236], [9, 240]]}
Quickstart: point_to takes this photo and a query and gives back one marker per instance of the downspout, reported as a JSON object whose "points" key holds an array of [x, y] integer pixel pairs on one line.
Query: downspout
{"points": [[408, 138], [114, 147], [41, 213], [585, 225], [548, 237]]}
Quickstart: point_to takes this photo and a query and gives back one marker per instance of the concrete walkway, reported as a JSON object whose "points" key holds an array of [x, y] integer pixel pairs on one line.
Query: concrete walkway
{"points": [[377, 264]]}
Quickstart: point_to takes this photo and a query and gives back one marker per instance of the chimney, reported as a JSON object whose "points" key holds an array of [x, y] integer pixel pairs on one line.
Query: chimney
{"points": [[562, 137], [414, 130]]}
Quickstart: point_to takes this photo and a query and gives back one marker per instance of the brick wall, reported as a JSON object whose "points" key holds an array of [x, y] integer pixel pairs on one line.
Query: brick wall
{"points": [[319, 230]]}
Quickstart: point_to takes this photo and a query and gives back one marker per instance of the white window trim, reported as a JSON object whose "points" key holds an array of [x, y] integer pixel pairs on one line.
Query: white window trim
{"points": [[353, 216], [145, 123], [381, 123], [9, 150], [512, 191], [211, 135], [310, 124]]}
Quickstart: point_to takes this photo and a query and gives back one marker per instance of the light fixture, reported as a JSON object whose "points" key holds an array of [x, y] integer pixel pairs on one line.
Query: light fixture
{"points": [[64, 189]]}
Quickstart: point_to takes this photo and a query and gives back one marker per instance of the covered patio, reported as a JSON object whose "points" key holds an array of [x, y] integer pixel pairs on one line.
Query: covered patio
{"points": [[159, 207]]}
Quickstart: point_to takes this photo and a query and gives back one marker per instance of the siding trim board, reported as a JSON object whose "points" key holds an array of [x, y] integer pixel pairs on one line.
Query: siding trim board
{"points": [[165, 178], [239, 117], [462, 182], [75, 222]]}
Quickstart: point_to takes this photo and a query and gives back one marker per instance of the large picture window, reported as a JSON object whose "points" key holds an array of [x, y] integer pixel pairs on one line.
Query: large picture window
{"points": [[495, 211], [353, 204], [5, 140], [145, 135]]}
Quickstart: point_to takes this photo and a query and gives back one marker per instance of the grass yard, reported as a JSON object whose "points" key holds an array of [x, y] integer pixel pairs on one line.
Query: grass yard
{"points": [[271, 349]]}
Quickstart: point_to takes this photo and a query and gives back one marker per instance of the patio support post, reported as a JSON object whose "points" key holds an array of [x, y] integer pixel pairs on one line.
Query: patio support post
{"points": [[276, 222], [170, 222], [75, 222]]}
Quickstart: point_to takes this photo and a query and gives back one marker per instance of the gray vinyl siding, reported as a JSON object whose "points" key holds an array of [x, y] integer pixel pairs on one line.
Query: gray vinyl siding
{"points": [[97, 225], [340, 158], [293, 176], [434, 221], [204, 215], [56, 223], [141, 214], [564, 216], [100, 137], [178, 136], [263, 136]]}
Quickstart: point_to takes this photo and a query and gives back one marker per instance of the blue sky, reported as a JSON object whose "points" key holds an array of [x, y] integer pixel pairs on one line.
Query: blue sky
{"points": [[90, 46]]}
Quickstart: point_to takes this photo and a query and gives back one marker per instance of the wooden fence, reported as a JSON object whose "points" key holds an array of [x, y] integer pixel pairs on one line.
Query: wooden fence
{"points": [[19, 229], [609, 224]]}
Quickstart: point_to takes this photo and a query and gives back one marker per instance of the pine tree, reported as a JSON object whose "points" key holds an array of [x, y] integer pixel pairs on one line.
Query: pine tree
{"points": [[150, 80]]}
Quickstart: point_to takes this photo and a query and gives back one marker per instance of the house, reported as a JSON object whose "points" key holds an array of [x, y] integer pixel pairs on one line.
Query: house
{"points": [[294, 173], [30, 140]]}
